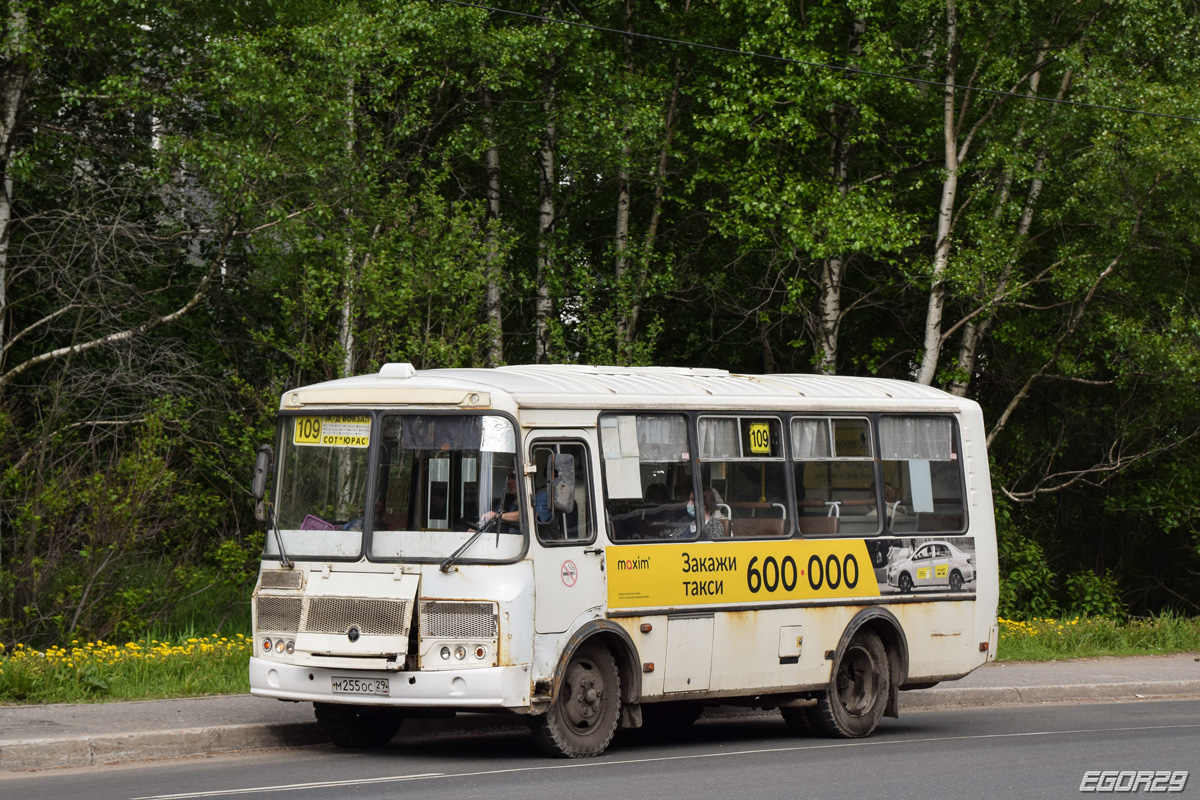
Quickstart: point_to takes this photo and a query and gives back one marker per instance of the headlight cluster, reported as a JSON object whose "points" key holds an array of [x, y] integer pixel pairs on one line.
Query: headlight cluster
{"points": [[279, 646], [460, 653]]}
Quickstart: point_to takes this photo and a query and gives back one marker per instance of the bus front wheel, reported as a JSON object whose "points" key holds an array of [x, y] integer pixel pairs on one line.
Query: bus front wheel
{"points": [[583, 717], [858, 690], [357, 727]]}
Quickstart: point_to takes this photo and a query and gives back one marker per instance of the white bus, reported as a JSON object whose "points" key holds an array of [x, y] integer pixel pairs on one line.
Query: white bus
{"points": [[604, 547]]}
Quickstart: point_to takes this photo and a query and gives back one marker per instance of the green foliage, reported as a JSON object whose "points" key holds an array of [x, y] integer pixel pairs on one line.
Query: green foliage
{"points": [[1027, 582], [1092, 595], [1047, 639], [143, 669], [305, 188]]}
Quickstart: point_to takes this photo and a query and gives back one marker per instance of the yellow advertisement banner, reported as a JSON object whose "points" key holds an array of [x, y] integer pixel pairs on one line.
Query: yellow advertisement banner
{"points": [[718, 573]]}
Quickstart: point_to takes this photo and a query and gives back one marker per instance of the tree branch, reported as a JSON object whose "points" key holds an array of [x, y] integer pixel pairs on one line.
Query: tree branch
{"points": [[129, 333]]}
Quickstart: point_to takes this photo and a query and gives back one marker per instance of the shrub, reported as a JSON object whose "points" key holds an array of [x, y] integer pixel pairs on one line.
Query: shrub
{"points": [[1092, 595], [1026, 580]]}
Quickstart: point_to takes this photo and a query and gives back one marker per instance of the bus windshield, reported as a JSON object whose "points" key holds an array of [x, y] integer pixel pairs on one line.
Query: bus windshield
{"points": [[321, 506], [438, 476]]}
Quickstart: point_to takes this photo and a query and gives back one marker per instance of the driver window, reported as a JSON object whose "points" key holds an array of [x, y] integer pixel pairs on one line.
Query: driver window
{"points": [[562, 493]]}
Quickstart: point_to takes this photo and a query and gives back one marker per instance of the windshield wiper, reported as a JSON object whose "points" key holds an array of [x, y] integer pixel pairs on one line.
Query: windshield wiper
{"points": [[449, 561], [284, 561]]}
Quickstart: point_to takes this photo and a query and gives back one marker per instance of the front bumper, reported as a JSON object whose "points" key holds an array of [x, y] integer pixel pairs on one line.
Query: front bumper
{"points": [[486, 687]]}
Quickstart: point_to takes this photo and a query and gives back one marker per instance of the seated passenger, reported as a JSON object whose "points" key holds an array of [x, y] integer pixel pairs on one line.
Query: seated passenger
{"points": [[711, 525]]}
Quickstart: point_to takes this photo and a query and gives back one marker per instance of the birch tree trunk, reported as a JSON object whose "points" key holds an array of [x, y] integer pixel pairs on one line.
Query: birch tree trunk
{"points": [[621, 237], [945, 226], [545, 231], [621, 244], [493, 299], [13, 81], [833, 270], [346, 329]]}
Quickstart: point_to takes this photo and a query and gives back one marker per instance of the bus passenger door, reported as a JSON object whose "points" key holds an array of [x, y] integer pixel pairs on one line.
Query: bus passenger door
{"points": [[568, 567]]}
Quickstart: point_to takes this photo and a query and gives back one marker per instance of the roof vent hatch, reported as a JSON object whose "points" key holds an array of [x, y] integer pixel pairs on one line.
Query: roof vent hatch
{"points": [[404, 370]]}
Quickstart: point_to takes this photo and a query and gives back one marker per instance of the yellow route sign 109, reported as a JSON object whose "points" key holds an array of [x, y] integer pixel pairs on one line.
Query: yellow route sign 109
{"points": [[332, 431]]}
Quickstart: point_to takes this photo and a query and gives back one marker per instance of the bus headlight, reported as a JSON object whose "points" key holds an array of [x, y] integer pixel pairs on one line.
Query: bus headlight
{"points": [[445, 654], [460, 652]]}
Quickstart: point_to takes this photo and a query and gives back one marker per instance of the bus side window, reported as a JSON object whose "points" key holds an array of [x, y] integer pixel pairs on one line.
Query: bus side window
{"points": [[742, 460], [834, 471], [922, 469], [647, 476]]}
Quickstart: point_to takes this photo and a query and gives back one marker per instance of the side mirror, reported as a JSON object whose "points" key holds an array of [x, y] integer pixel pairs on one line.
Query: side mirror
{"points": [[562, 485], [258, 487]]}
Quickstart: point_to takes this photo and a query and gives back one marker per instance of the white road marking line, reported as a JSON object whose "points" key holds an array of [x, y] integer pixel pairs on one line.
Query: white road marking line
{"points": [[592, 763], [291, 787]]}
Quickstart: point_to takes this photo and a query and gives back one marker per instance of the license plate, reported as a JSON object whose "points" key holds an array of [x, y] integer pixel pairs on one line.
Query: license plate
{"points": [[377, 686]]}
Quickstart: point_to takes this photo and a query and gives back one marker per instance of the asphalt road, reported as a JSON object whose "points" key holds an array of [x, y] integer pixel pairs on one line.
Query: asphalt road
{"points": [[1034, 751]]}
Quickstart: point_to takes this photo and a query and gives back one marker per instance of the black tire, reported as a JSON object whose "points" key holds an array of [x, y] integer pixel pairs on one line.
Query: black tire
{"points": [[583, 717], [905, 582], [800, 720], [858, 690], [670, 716], [956, 581], [357, 727]]}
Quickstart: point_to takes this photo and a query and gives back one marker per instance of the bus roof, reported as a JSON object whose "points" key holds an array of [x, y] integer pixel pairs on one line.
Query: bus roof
{"points": [[584, 386]]}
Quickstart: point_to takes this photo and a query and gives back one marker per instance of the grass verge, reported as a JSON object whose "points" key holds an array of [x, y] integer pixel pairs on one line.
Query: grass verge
{"points": [[193, 666], [1089, 637], [146, 670]]}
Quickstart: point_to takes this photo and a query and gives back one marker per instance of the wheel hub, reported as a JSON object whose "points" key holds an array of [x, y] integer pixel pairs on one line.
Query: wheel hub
{"points": [[586, 693], [856, 682]]}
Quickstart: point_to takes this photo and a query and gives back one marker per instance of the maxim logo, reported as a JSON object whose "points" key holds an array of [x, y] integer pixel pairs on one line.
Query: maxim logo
{"points": [[632, 564]]}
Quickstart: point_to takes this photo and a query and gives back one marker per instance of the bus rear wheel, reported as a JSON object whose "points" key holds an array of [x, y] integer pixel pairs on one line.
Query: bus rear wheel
{"points": [[357, 727], [583, 717], [858, 690], [800, 720]]}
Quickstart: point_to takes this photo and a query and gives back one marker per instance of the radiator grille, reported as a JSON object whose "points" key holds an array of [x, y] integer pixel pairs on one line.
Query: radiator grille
{"points": [[372, 617], [282, 579], [280, 614], [458, 620]]}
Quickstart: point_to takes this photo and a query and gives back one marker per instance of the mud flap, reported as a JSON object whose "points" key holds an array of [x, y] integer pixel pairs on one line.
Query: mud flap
{"points": [[631, 716], [892, 709]]}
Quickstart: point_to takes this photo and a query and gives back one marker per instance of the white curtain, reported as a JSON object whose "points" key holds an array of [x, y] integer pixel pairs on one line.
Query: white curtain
{"points": [[915, 438], [810, 438], [661, 438], [719, 438]]}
